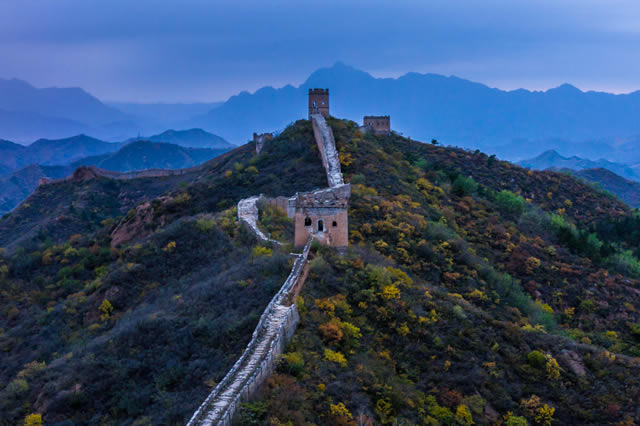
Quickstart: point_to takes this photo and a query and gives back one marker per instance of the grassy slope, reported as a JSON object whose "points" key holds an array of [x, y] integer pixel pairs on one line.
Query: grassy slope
{"points": [[488, 285], [181, 315], [171, 323]]}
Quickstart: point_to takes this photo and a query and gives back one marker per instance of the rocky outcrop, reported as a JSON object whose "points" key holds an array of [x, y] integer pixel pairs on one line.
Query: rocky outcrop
{"points": [[83, 173], [573, 361], [136, 225]]}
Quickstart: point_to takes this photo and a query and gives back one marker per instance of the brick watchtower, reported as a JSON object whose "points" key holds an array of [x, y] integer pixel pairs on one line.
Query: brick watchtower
{"points": [[319, 102]]}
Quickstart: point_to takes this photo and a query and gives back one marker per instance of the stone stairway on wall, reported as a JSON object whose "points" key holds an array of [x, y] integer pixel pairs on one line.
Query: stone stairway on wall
{"points": [[276, 326], [327, 146]]}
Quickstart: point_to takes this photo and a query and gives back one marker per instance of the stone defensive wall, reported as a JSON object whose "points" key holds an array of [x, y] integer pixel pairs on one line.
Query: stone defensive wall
{"points": [[92, 172], [280, 319], [276, 326], [248, 214], [287, 205], [327, 146]]}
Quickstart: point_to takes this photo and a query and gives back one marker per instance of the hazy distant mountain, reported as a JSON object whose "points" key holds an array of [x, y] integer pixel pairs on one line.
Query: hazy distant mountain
{"points": [[627, 190], [426, 106], [26, 126], [68, 150], [11, 155], [52, 151], [551, 159], [64, 151], [28, 113], [192, 138], [164, 115], [70, 103], [142, 155], [17, 186]]}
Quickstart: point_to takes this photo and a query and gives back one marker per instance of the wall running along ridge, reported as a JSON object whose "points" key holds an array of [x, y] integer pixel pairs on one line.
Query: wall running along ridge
{"points": [[280, 319], [328, 151], [276, 326], [248, 213]]}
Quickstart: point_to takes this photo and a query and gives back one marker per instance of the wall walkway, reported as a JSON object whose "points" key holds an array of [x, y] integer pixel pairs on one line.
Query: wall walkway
{"points": [[280, 319], [248, 213], [276, 326], [327, 146]]}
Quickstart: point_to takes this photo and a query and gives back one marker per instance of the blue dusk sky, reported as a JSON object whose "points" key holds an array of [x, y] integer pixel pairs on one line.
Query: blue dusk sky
{"points": [[208, 50]]}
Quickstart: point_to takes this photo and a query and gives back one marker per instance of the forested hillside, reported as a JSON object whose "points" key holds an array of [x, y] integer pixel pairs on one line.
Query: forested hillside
{"points": [[473, 291]]}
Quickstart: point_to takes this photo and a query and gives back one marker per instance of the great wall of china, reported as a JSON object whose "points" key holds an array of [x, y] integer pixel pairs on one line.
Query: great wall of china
{"points": [[280, 319]]}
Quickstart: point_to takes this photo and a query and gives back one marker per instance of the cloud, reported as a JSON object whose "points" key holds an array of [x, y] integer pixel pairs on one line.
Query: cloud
{"points": [[208, 50]]}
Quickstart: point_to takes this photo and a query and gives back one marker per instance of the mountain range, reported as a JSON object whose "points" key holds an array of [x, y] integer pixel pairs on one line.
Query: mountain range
{"points": [[450, 109], [65, 151], [22, 167], [627, 190], [473, 291], [553, 160], [191, 138], [144, 155], [513, 124], [28, 113]]}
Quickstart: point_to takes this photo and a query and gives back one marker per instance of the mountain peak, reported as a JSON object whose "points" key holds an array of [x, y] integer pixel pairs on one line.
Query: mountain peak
{"points": [[565, 89], [335, 75]]}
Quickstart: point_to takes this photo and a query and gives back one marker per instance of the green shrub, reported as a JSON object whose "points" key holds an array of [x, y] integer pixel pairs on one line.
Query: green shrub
{"points": [[626, 263], [536, 359], [464, 186], [17, 387], [510, 202]]}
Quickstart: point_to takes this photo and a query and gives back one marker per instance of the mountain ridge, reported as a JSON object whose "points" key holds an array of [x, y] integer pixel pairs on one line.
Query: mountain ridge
{"points": [[447, 108], [552, 159]]}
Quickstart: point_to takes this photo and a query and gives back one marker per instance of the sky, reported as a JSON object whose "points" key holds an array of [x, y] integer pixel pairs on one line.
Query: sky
{"points": [[208, 50]]}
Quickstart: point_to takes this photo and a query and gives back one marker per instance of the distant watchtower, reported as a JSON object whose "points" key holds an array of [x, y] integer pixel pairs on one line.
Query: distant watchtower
{"points": [[319, 102], [378, 124]]}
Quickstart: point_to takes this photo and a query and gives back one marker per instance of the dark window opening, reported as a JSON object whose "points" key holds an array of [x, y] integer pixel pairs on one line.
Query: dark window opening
{"points": [[320, 226], [334, 224], [307, 221]]}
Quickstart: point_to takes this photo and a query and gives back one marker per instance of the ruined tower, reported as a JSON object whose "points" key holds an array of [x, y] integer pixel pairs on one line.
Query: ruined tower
{"points": [[319, 102], [377, 124], [260, 140]]}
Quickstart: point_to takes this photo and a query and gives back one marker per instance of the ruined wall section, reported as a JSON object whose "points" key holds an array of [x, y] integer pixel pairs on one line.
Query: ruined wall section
{"points": [[260, 140], [84, 173], [286, 204], [248, 214]]}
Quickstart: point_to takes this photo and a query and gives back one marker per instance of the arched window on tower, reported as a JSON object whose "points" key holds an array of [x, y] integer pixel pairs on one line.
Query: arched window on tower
{"points": [[334, 224], [307, 221], [320, 226]]}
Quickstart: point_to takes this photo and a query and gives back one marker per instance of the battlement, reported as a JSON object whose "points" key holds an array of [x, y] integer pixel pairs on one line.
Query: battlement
{"points": [[319, 102]]}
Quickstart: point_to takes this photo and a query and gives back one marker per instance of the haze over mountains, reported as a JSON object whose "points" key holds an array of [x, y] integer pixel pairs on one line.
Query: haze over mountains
{"points": [[553, 160], [514, 124], [453, 110], [22, 167]]}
